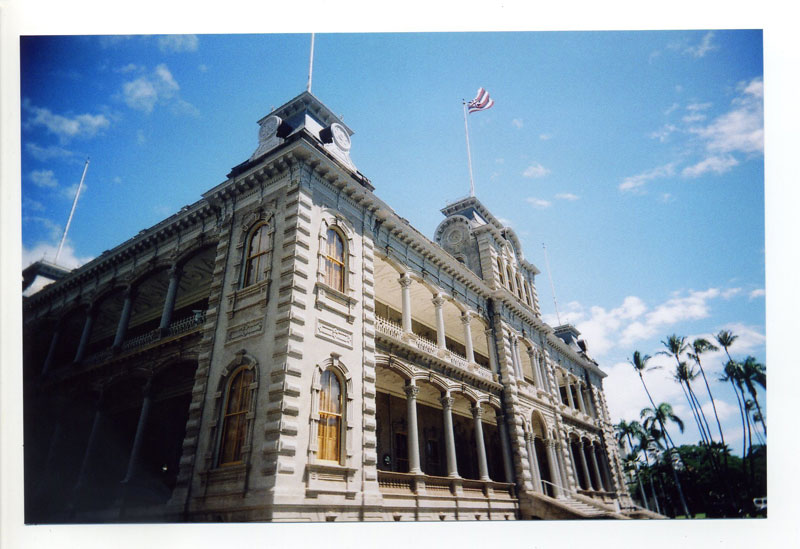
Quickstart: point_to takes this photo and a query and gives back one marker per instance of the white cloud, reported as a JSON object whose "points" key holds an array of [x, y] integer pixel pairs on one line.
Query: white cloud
{"points": [[637, 181], [67, 258], [538, 202], [44, 179], [716, 164], [177, 43], [130, 67], [730, 292], [157, 88], [701, 49], [32, 205], [664, 132], [54, 228], [632, 321], [65, 127], [535, 171], [517, 123], [698, 106], [759, 292], [742, 128], [666, 198], [694, 117], [567, 196], [672, 108], [499, 160], [69, 192], [43, 154], [545, 136]]}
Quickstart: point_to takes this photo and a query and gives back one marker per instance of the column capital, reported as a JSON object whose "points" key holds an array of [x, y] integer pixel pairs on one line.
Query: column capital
{"points": [[438, 300], [175, 271], [411, 391], [466, 317], [405, 280], [447, 401], [477, 412]]}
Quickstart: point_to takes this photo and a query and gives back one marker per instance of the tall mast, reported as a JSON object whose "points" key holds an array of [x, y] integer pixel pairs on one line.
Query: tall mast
{"points": [[469, 156], [310, 64], [552, 288], [72, 211]]}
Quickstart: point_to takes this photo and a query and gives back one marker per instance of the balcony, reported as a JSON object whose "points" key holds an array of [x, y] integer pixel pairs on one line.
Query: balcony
{"points": [[480, 493], [180, 327], [395, 332]]}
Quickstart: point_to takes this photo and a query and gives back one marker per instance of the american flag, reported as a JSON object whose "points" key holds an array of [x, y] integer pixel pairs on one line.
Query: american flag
{"points": [[481, 102]]}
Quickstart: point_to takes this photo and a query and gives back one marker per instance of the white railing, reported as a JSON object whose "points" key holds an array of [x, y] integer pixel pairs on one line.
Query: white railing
{"points": [[388, 327], [186, 324], [395, 331], [426, 345]]}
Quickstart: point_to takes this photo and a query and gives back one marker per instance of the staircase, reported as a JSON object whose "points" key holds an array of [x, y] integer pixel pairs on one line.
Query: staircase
{"points": [[586, 509]]}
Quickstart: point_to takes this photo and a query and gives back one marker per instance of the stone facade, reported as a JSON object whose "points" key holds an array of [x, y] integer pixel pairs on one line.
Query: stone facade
{"points": [[288, 348]]}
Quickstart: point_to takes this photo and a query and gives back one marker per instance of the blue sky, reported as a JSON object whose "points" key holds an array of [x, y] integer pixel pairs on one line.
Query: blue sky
{"points": [[636, 157]]}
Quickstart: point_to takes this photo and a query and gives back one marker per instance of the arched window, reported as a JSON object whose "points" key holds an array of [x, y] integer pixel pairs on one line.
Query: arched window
{"points": [[330, 417], [257, 255], [234, 420], [334, 261], [528, 294], [520, 288], [510, 279]]}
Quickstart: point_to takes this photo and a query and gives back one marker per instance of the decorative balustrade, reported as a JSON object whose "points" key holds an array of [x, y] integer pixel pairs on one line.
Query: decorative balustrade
{"points": [[426, 345], [395, 331], [391, 482], [175, 328]]}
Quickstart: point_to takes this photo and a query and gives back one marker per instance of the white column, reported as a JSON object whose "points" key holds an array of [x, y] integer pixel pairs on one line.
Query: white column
{"points": [[555, 476], [569, 392], [537, 378], [515, 358], [138, 439], [584, 465], [492, 351], [449, 438], [465, 319], [483, 469], [438, 305], [508, 467], [579, 392], [87, 331], [533, 461], [48, 361], [169, 301], [413, 433], [596, 466], [405, 288], [124, 319]]}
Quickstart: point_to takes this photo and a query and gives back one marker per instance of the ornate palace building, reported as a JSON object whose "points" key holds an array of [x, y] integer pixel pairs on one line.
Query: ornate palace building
{"points": [[289, 348]]}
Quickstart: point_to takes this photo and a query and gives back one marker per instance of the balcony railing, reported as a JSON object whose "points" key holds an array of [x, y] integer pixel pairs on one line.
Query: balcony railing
{"points": [[410, 484], [395, 331], [175, 328]]}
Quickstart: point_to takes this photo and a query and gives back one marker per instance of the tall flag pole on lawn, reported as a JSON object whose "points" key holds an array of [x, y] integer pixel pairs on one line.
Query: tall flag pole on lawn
{"points": [[481, 102]]}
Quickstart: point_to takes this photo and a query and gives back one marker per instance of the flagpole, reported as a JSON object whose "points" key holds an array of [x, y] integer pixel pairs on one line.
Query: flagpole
{"points": [[72, 211], [469, 155], [310, 64]]}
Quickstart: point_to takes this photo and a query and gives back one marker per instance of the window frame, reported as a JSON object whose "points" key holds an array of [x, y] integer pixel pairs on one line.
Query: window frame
{"points": [[322, 454], [263, 254], [242, 414], [342, 262]]}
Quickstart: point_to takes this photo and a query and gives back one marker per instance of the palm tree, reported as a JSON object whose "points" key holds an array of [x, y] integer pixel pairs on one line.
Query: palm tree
{"points": [[754, 372], [700, 346], [625, 431], [684, 374], [676, 346], [732, 374], [639, 363], [653, 419]]}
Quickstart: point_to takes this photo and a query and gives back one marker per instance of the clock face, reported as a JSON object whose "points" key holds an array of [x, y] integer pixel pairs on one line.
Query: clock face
{"points": [[269, 127], [455, 236], [340, 136]]}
